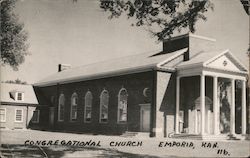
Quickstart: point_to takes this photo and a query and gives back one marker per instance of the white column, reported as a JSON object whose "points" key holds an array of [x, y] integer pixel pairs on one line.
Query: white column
{"points": [[232, 110], [216, 106], [202, 103], [208, 122], [243, 109], [195, 121], [177, 105]]}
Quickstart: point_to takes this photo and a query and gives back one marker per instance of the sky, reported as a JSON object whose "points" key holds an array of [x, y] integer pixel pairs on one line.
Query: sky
{"points": [[61, 31]]}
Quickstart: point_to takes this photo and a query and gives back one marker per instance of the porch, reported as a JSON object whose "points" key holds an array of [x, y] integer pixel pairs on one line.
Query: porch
{"points": [[212, 108]]}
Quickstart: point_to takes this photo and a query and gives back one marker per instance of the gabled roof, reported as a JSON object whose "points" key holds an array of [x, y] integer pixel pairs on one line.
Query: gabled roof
{"points": [[223, 60], [130, 64], [8, 90]]}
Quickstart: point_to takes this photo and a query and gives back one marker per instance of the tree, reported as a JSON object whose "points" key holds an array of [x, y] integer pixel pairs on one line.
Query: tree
{"points": [[13, 36], [162, 17], [17, 81]]}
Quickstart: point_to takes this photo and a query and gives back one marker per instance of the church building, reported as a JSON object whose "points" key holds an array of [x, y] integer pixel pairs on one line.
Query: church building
{"points": [[187, 89]]}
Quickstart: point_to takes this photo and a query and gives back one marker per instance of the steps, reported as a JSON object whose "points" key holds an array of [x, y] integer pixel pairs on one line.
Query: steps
{"points": [[209, 137], [135, 134], [200, 137], [129, 134], [237, 137]]}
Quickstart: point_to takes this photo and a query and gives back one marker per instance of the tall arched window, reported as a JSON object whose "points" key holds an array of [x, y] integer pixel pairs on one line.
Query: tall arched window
{"points": [[61, 105], [74, 101], [104, 103], [122, 106], [88, 107]]}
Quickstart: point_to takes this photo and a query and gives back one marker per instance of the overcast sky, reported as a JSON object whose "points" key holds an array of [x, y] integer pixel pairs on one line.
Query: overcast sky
{"points": [[80, 33]]}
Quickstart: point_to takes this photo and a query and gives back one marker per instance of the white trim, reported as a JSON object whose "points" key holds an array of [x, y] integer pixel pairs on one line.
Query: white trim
{"points": [[104, 90], [4, 114], [38, 116], [232, 108], [224, 75], [74, 95], [202, 102], [21, 115], [211, 72], [216, 119], [85, 107], [59, 108], [230, 54], [118, 115]]}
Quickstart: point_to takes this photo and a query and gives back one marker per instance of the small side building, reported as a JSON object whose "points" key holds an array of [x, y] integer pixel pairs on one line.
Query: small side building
{"points": [[17, 106]]}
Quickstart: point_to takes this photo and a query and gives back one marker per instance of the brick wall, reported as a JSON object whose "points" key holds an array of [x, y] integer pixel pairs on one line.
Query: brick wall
{"points": [[134, 84]]}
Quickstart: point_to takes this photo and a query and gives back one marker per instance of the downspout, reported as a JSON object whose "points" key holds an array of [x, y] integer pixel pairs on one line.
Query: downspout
{"points": [[27, 113], [56, 106]]}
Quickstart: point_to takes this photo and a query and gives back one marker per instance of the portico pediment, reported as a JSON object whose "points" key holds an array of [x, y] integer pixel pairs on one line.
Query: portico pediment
{"points": [[225, 61]]}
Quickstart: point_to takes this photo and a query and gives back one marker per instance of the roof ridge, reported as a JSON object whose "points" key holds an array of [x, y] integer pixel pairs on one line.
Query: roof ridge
{"points": [[102, 61], [16, 84]]}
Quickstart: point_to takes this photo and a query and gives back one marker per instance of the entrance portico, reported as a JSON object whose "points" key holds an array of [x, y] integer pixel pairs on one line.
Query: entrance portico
{"points": [[218, 66]]}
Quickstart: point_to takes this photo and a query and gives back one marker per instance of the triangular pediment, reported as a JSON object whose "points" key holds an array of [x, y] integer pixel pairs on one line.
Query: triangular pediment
{"points": [[225, 61]]}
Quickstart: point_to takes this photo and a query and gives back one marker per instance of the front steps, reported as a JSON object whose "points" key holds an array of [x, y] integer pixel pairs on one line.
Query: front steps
{"points": [[189, 136], [135, 134], [129, 134], [209, 137]]}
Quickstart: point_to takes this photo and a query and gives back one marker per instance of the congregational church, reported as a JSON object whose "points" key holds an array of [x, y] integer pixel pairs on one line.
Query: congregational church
{"points": [[186, 89]]}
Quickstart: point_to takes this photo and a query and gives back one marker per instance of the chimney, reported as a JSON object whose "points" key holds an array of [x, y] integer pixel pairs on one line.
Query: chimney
{"points": [[175, 43], [194, 43], [62, 67]]}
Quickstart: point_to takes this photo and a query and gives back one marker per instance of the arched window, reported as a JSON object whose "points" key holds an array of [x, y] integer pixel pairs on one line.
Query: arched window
{"points": [[74, 101], [122, 106], [61, 105], [104, 103], [88, 107]]}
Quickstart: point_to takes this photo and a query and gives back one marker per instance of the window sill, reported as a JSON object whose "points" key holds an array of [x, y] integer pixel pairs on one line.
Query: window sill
{"points": [[18, 121]]}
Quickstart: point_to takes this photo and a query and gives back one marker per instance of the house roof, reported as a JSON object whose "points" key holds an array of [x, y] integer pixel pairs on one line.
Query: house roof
{"points": [[8, 90], [118, 66]]}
